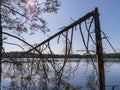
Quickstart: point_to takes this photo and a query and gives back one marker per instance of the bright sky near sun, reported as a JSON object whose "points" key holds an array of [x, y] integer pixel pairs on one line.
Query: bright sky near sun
{"points": [[31, 2], [109, 19]]}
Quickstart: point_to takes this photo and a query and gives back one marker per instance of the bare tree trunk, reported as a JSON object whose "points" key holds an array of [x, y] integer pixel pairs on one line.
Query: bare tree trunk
{"points": [[99, 49], [0, 46]]}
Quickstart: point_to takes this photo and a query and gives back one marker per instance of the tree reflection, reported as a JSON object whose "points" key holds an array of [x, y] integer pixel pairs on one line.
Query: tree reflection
{"points": [[92, 81], [25, 74]]}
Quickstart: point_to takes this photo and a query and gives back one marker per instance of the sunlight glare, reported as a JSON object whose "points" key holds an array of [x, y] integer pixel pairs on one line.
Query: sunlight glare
{"points": [[31, 2]]}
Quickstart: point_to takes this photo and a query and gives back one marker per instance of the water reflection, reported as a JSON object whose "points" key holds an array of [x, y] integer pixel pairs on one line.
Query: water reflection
{"points": [[29, 74], [77, 75]]}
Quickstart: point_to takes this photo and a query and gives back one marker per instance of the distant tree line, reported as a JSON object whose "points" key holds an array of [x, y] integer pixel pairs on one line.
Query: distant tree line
{"points": [[35, 55]]}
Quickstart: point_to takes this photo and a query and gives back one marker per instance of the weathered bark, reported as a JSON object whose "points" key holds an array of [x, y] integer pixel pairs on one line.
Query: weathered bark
{"points": [[99, 50], [0, 46]]}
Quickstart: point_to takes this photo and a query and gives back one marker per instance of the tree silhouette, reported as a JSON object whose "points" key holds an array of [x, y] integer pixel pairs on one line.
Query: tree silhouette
{"points": [[24, 15], [19, 16]]}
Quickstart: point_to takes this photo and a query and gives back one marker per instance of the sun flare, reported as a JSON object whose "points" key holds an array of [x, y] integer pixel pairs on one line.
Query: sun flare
{"points": [[31, 2]]}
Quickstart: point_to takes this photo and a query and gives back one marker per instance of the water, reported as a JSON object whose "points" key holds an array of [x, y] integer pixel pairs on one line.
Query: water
{"points": [[76, 73], [112, 74]]}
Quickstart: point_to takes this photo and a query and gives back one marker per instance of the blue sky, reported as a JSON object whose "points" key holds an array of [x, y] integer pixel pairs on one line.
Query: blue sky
{"points": [[109, 19]]}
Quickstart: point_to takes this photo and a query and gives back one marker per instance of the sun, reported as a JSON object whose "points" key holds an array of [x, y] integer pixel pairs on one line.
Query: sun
{"points": [[32, 5], [31, 2], [31, 9]]}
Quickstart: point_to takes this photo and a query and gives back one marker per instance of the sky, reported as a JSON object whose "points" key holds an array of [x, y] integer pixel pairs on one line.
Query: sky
{"points": [[73, 10]]}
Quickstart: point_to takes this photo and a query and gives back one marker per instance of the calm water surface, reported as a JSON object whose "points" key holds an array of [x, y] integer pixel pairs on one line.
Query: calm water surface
{"points": [[83, 74], [112, 74]]}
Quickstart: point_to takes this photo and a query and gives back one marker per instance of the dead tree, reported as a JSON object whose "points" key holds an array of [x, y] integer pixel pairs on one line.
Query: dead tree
{"points": [[0, 46], [99, 51]]}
